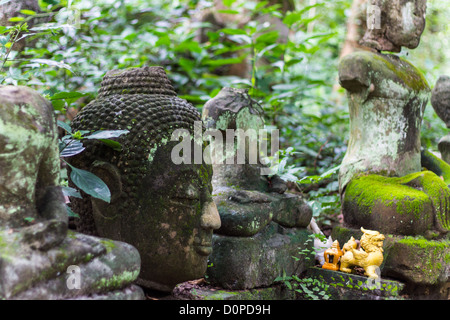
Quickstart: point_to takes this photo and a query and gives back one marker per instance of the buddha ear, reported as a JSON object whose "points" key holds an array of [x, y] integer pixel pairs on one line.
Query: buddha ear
{"points": [[110, 175]]}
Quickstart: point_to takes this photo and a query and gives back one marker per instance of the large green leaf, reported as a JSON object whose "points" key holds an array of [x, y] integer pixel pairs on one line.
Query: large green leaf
{"points": [[106, 134], [70, 147], [90, 184], [65, 126], [71, 192]]}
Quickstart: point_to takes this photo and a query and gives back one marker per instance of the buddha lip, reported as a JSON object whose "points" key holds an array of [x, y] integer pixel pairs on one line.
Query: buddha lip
{"points": [[203, 243], [203, 249]]}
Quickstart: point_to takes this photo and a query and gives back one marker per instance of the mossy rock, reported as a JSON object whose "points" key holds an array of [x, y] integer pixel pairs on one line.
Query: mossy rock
{"points": [[409, 205], [419, 261]]}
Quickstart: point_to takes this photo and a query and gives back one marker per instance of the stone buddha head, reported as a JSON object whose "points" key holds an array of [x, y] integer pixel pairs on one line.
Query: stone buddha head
{"points": [[164, 209], [394, 24]]}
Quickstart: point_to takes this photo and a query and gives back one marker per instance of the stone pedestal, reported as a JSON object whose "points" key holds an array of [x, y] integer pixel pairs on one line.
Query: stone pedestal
{"points": [[239, 263], [343, 286], [81, 267], [422, 264]]}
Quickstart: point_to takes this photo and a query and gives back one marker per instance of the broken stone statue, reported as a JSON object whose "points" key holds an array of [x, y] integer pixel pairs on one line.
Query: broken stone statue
{"points": [[382, 184], [262, 225], [39, 257], [163, 208]]}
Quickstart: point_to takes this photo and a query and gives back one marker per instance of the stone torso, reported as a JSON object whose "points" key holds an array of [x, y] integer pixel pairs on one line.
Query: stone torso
{"points": [[27, 139], [387, 97]]}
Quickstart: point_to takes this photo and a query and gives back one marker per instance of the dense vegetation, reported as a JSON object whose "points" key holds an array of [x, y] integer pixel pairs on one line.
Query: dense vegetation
{"points": [[70, 45]]}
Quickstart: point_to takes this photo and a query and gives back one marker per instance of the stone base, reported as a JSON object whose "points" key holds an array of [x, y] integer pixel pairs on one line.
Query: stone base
{"points": [[423, 265], [199, 290], [82, 267], [132, 292], [239, 263], [338, 285]]}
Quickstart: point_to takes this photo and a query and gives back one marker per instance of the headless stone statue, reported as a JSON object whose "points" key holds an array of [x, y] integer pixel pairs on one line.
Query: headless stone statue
{"points": [[162, 207], [262, 226], [387, 183], [37, 250], [387, 98]]}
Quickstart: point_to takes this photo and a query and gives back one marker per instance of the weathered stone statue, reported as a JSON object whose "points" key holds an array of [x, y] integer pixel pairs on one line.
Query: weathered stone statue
{"points": [[387, 98], [382, 184], [440, 100], [262, 226], [162, 208], [36, 250]]}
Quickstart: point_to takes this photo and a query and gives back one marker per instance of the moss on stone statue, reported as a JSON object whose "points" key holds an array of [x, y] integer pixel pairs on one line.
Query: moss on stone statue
{"points": [[435, 164], [117, 280], [414, 80], [417, 196]]}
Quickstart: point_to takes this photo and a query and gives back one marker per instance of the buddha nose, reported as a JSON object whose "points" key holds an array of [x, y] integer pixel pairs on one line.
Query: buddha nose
{"points": [[210, 216]]}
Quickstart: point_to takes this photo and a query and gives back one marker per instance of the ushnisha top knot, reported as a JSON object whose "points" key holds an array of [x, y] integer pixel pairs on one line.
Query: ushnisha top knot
{"points": [[145, 80]]}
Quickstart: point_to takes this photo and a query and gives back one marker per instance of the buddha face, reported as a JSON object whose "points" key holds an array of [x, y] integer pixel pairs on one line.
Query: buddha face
{"points": [[171, 221], [163, 209]]}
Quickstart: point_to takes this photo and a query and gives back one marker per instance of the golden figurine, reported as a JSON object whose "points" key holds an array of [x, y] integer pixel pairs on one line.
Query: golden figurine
{"points": [[369, 256], [332, 256]]}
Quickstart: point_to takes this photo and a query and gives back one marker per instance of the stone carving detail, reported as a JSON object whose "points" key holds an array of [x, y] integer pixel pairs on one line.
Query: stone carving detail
{"points": [[164, 209]]}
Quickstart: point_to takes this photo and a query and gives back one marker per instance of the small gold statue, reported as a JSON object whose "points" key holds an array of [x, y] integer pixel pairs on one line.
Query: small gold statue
{"points": [[332, 256], [369, 256]]}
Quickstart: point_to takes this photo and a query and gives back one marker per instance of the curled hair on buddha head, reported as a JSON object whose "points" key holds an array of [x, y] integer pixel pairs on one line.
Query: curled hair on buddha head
{"points": [[142, 101]]}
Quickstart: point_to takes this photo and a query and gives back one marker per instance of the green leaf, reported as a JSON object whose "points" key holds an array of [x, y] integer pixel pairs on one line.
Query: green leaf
{"points": [[228, 11], [90, 184], [28, 12], [228, 3], [71, 192], [291, 18], [67, 95], [222, 62], [65, 126], [70, 148], [70, 213], [16, 19], [112, 144], [106, 134], [52, 63], [233, 31], [268, 37]]}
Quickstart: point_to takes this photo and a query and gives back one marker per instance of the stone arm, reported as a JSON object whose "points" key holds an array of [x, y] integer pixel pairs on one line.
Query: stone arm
{"points": [[354, 76]]}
